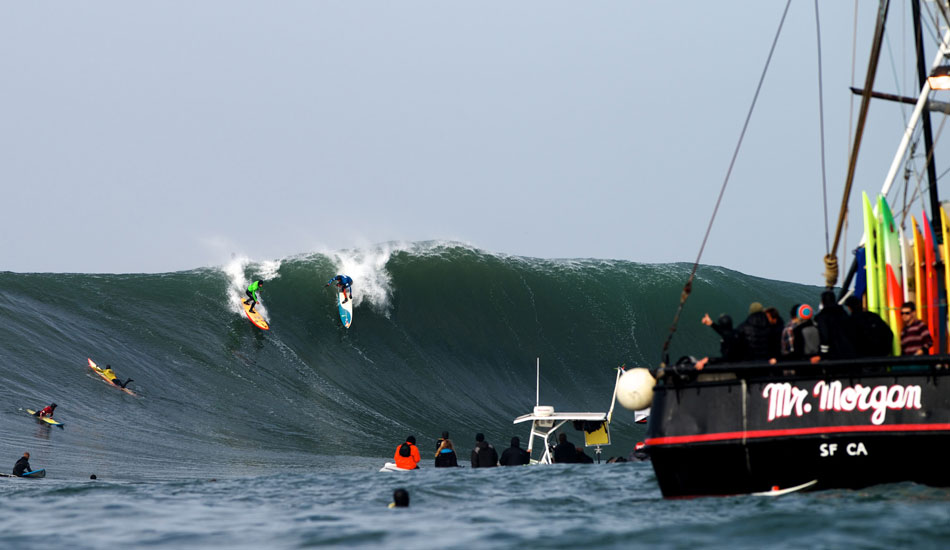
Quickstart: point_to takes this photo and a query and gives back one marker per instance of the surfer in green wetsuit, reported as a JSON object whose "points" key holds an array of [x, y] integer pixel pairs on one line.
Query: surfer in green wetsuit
{"points": [[251, 291]]}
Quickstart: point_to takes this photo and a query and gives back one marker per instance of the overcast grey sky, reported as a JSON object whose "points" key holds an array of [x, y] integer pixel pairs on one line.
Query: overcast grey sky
{"points": [[159, 136]]}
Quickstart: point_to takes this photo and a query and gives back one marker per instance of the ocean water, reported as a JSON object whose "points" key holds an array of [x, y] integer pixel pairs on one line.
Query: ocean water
{"points": [[240, 438], [342, 502]]}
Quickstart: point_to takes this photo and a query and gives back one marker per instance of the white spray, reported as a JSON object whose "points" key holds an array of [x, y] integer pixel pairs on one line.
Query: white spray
{"points": [[371, 282], [238, 281]]}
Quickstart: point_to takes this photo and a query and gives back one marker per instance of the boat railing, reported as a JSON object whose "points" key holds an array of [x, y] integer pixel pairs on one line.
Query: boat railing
{"points": [[686, 371]]}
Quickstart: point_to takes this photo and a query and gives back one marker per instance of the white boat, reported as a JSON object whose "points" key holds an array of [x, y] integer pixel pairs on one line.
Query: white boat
{"points": [[595, 426]]}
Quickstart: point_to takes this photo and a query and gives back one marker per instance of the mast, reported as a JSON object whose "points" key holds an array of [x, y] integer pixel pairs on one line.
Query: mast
{"points": [[912, 123], [859, 134], [935, 218], [922, 75]]}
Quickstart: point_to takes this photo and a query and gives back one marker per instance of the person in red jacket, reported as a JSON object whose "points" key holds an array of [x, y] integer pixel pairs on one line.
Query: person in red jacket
{"points": [[407, 455], [46, 412]]}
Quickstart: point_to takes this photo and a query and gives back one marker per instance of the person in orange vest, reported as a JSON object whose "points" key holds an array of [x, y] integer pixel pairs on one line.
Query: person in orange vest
{"points": [[407, 455]]}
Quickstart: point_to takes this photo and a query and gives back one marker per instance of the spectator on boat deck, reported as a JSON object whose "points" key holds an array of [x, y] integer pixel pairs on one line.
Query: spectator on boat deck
{"points": [[776, 324], [445, 456], [915, 337], [514, 455], [757, 334], [580, 457], [835, 329], [787, 331], [872, 336], [483, 455], [407, 455], [565, 450], [805, 340], [730, 343]]}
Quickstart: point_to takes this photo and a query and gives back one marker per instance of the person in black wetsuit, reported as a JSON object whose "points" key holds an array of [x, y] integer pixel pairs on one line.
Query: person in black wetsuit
{"points": [[445, 456], [22, 466], [514, 455], [580, 457], [400, 499], [565, 452], [483, 455]]}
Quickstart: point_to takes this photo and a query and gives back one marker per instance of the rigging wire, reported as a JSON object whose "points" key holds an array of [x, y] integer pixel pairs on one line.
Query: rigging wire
{"points": [[821, 125], [688, 287], [854, 60]]}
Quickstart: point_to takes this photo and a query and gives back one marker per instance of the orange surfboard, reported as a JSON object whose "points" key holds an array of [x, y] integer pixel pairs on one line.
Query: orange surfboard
{"points": [[255, 317]]}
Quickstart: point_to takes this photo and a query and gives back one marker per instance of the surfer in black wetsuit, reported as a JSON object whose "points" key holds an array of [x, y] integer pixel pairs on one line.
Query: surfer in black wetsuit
{"points": [[22, 466]]}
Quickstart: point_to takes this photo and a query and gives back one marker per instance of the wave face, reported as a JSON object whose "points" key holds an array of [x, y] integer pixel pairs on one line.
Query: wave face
{"points": [[444, 337]]}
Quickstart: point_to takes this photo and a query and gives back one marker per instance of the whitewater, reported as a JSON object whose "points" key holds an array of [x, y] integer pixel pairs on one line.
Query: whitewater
{"points": [[246, 438]]}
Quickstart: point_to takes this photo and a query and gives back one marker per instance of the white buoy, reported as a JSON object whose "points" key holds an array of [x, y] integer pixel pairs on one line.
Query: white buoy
{"points": [[635, 389]]}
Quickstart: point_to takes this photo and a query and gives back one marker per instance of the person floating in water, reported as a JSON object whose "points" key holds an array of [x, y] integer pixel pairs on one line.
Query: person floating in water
{"points": [[252, 290], [407, 455], [400, 499], [345, 284], [22, 466], [46, 412], [107, 372], [445, 456]]}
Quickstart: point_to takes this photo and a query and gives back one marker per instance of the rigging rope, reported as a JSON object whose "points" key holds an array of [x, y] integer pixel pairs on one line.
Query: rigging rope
{"points": [[688, 287]]}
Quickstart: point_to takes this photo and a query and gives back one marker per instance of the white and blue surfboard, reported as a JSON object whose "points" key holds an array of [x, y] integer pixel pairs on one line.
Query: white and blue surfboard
{"points": [[346, 310]]}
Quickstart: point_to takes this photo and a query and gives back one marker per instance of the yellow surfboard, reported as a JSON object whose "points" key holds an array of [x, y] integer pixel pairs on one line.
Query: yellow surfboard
{"points": [[99, 371], [920, 284], [46, 419], [871, 257], [255, 317]]}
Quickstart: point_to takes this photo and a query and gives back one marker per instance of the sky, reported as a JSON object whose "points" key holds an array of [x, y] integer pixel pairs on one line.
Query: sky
{"points": [[165, 136]]}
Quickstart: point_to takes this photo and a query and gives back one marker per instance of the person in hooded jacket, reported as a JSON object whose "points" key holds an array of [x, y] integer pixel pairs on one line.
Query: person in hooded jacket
{"points": [[407, 455], [483, 455], [835, 329], [730, 343], [757, 334], [804, 342], [873, 337], [514, 455]]}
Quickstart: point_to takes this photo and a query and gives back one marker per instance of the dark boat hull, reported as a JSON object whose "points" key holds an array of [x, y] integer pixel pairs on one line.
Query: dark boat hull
{"points": [[735, 429]]}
